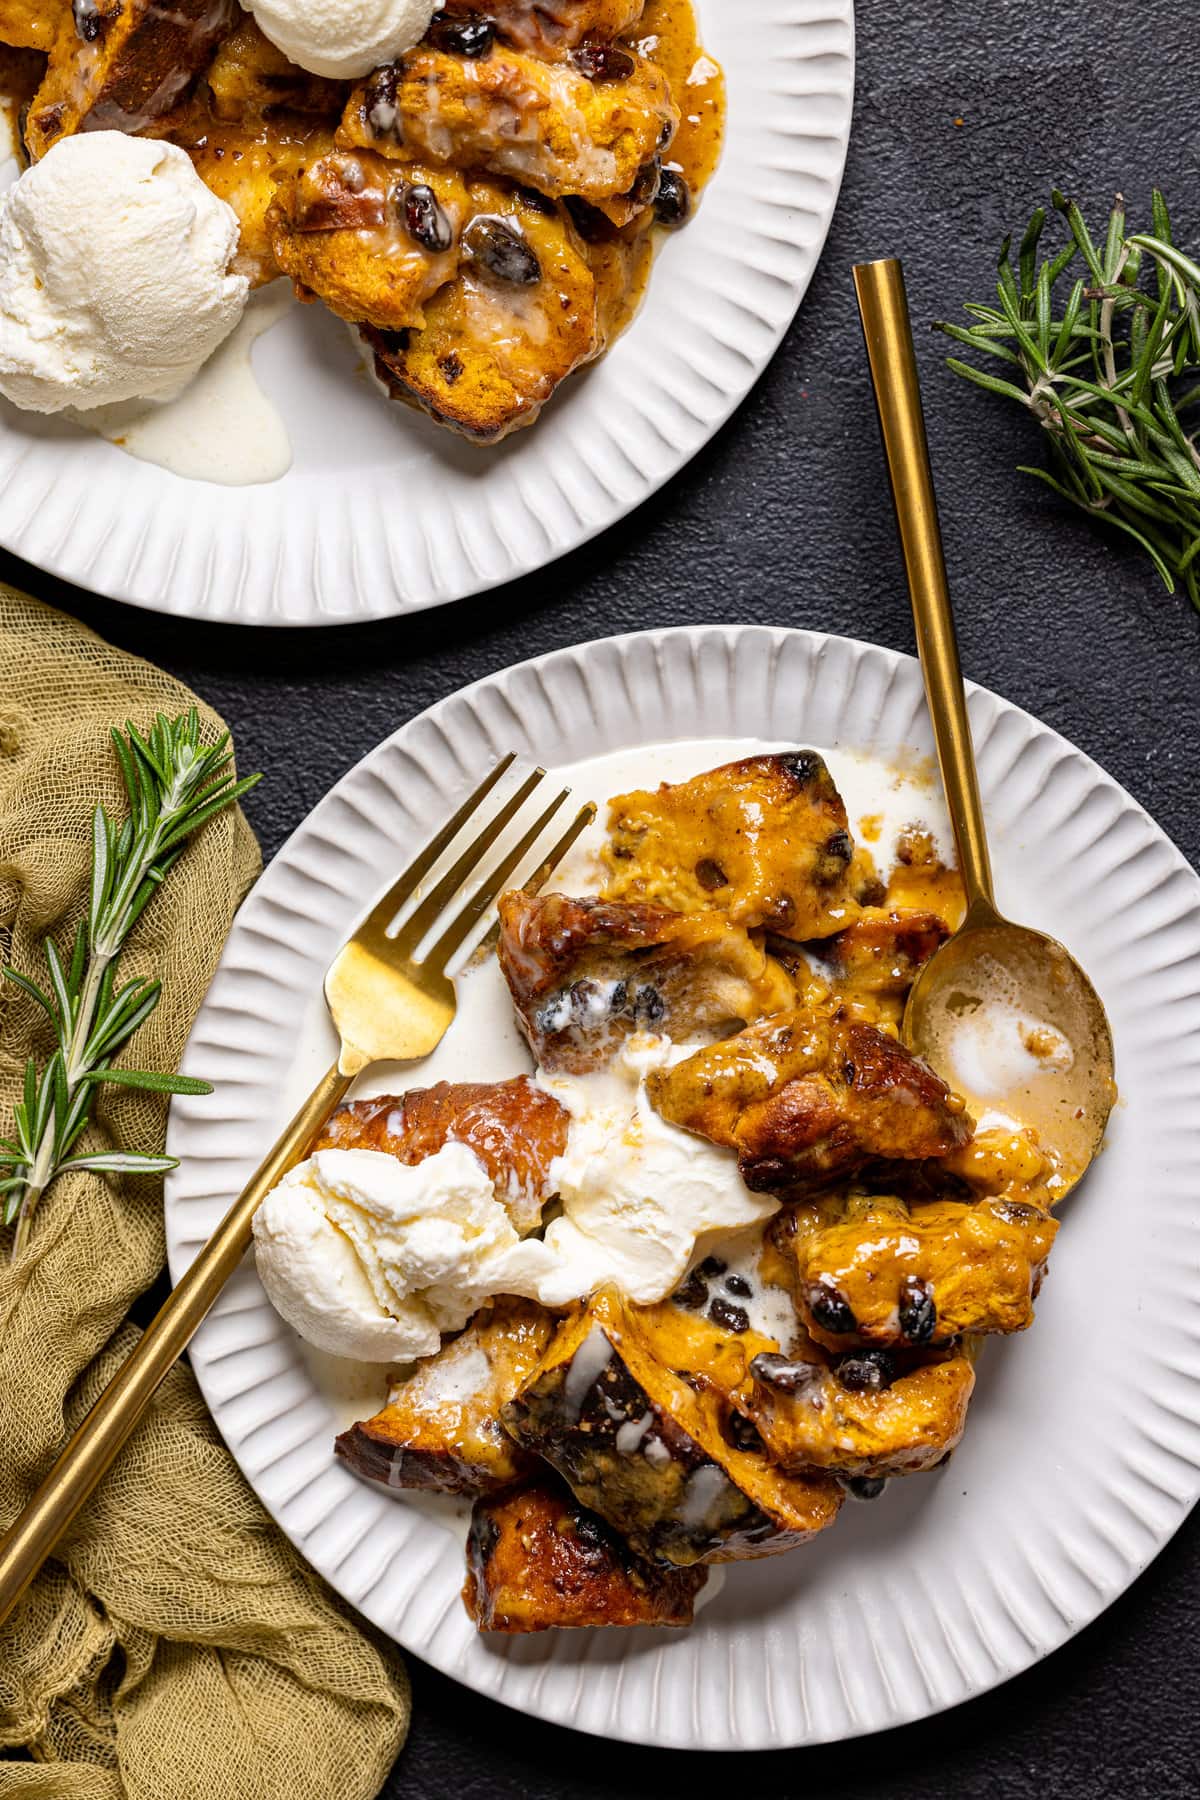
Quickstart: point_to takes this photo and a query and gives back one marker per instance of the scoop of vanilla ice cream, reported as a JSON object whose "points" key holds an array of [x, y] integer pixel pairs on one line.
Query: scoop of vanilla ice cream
{"points": [[115, 280], [343, 39], [373, 1260], [641, 1199]]}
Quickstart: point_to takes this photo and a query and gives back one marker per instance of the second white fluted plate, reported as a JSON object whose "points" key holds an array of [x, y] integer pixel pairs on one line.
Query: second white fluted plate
{"points": [[382, 513], [1082, 1453]]}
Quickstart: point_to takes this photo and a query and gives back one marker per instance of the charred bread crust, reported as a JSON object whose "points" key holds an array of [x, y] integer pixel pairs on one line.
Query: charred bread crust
{"points": [[514, 1127], [584, 974], [538, 1561], [806, 1099], [125, 65], [765, 840], [441, 1430], [880, 1270], [639, 1445]]}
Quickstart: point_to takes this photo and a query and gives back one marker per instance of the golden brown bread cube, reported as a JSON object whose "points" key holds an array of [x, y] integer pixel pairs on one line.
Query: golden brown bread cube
{"points": [[876, 1269], [648, 1451], [551, 27], [500, 338], [32, 24], [440, 1429], [805, 1098], [764, 840], [584, 974], [537, 1561], [514, 1127], [865, 1417], [343, 228], [249, 80], [884, 950], [541, 123], [125, 64]]}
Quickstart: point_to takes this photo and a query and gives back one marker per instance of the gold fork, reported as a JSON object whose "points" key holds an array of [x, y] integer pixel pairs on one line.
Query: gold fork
{"points": [[391, 1000]]}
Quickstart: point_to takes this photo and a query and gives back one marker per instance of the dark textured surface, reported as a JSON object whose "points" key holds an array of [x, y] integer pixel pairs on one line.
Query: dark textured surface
{"points": [[783, 521]]}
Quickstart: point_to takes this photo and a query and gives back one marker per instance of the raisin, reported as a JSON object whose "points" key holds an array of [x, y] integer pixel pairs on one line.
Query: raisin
{"points": [[380, 107], [728, 1316], [866, 1371], [501, 251], [603, 62], [424, 219], [711, 1267], [830, 1311], [864, 1487], [918, 1312], [469, 34], [649, 1006], [742, 1433], [739, 1286], [647, 184], [776, 1371], [711, 875], [90, 22], [619, 999], [693, 1294], [673, 204], [594, 228], [451, 367], [835, 858], [541, 203], [804, 766]]}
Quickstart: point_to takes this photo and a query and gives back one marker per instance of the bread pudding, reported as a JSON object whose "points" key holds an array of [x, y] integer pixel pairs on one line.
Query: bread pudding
{"points": [[483, 210], [763, 1241]]}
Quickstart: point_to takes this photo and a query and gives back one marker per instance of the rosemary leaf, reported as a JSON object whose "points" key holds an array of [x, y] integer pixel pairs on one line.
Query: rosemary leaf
{"points": [[1112, 380]]}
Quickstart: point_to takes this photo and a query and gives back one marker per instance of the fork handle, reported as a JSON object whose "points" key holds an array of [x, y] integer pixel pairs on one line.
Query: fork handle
{"points": [[106, 1429]]}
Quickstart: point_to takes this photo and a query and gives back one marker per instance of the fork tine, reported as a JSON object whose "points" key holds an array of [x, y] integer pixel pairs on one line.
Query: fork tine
{"points": [[440, 896], [488, 890], [575, 829], [385, 910]]}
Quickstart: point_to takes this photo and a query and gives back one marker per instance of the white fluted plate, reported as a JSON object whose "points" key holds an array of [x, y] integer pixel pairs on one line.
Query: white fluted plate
{"points": [[383, 513], [1082, 1453]]}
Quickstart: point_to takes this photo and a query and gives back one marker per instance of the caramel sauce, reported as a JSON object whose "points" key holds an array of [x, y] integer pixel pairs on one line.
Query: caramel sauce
{"points": [[669, 36]]}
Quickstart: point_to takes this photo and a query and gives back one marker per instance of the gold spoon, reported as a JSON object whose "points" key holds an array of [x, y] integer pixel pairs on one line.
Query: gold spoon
{"points": [[1003, 1013]]}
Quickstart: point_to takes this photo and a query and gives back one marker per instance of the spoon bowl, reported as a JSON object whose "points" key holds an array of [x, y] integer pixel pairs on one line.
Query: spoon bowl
{"points": [[1009, 1019]]}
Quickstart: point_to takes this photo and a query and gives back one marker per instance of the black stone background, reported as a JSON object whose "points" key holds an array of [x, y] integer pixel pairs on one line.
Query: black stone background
{"points": [[784, 520]]}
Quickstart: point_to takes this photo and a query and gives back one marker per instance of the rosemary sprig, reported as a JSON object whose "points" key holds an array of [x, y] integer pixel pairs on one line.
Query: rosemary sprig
{"points": [[174, 784], [1109, 373]]}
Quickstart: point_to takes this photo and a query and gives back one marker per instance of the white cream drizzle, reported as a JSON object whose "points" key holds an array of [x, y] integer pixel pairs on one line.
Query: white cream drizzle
{"points": [[222, 428]]}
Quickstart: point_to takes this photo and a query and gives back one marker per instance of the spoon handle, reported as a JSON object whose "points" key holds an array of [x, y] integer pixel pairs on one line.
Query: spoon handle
{"points": [[888, 333]]}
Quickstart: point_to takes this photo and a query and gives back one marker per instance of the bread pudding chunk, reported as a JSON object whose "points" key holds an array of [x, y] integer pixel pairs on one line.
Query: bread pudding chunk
{"points": [[375, 240], [648, 1451], [864, 1415], [806, 1098], [250, 80], [498, 340], [585, 974], [765, 841], [440, 1429], [548, 27], [548, 124], [125, 64], [515, 1128], [878, 1269], [538, 1561]]}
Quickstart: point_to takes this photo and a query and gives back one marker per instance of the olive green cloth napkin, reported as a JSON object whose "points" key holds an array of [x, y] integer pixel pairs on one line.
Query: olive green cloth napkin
{"points": [[176, 1646]]}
